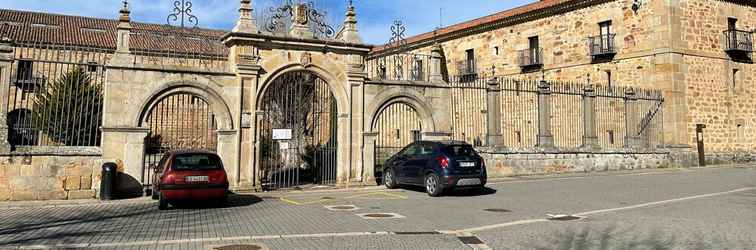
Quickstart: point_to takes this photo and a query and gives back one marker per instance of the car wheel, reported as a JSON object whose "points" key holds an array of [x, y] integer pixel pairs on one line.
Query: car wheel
{"points": [[432, 185], [162, 203], [389, 179]]}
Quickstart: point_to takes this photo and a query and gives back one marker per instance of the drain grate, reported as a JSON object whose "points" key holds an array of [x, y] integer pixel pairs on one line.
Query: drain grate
{"points": [[342, 208], [470, 240], [381, 216], [498, 210], [563, 217], [239, 247]]}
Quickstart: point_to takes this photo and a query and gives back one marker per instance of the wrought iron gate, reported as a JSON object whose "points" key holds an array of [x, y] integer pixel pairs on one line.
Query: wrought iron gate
{"points": [[298, 132], [181, 121], [398, 125]]}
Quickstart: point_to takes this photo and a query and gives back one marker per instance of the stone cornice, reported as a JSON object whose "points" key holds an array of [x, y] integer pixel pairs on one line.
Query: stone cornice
{"points": [[271, 41]]}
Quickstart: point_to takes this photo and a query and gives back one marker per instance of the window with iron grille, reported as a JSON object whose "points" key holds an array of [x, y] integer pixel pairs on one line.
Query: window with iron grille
{"points": [[602, 46], [469, 62], [532, 56]]}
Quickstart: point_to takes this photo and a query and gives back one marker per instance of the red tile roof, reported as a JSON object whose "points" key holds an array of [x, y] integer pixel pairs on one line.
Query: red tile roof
{"points": [[47, 28], [486, 20]]}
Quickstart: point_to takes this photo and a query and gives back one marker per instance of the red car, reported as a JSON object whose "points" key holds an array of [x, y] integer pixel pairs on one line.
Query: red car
{"points": [[189, 175]]}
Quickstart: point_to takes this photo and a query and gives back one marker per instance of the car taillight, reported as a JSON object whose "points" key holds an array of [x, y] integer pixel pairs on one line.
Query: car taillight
{"points": [[443, 161], [169, 179]]}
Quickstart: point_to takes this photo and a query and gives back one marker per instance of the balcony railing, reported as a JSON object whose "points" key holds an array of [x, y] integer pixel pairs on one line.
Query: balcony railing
{"points": [[532, 57], [738, 41], [602, 45]]}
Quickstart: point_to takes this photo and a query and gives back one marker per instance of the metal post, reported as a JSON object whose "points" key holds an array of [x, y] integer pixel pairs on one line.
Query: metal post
{"points": [[493, 101], [6, 62], [590, 137], [700, 143], [545, 138], [631, 128]]}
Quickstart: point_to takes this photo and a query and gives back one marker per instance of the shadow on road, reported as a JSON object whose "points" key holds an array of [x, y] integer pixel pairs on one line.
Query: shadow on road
{"points": [[234, 200], [457, 192]]}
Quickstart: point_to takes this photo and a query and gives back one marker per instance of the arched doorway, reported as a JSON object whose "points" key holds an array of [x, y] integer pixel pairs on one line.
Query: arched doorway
{"points": [[398, 124], [179, 121], [298, 132]]}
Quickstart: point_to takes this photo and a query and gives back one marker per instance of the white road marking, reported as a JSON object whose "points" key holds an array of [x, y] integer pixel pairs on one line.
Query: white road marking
{"points": [[583, 214]]}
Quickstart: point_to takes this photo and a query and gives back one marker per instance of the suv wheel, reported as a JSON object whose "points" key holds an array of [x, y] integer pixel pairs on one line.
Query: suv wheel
{"points": [[432, 185], [389, 179]]}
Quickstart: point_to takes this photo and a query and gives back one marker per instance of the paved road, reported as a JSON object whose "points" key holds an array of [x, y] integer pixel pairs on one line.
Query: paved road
{"points": [[711, 208]]}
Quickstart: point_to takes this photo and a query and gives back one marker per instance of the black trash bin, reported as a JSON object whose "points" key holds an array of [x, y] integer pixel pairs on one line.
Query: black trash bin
{"points": [[107, 184]]}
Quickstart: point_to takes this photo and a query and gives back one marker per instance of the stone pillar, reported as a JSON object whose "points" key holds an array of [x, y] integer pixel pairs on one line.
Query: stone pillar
{"points": [[349, 32], [545, 139], [125, 147], [248, 161], [590, 135], [246, 22], [493, 103], [124, 30], [368, 155], [436, 63], [6, 62], [344, 149], [631, 125], [227, 141]]}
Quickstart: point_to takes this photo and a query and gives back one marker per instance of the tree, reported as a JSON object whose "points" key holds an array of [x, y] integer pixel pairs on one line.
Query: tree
{"points": [[69, 111]]}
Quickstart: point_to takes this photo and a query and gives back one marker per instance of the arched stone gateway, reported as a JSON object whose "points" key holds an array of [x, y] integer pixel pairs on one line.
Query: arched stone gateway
{"points": [[178, 121], [398, 124], [298, 132]]}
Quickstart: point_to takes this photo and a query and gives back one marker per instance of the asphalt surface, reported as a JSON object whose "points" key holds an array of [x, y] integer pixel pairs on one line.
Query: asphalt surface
{"points": [[709, 208]]}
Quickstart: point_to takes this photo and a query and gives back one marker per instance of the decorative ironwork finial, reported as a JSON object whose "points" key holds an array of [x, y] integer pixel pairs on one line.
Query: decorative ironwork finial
{"points": [[397, 35], [302, 14], [182, 10]]}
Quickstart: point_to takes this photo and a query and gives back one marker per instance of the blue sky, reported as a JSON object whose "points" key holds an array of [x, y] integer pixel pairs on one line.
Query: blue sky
{"points": [[375, 16]]}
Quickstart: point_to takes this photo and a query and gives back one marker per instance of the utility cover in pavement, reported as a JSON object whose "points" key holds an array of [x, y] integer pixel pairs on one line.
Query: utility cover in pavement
{"points": [[239, 247], [563, 217], [470, 240], [372, 216], [498, 210], [342, 208]]}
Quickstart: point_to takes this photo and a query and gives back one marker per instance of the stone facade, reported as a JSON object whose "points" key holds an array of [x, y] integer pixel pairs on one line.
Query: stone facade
{"points": [[48, 177]]}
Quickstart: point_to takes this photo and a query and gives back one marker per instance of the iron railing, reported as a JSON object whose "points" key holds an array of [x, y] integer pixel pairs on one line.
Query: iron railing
{"points": [[55, 95], [615, 108], [531, 57], [179, 48], [738, 40], [400, 67], [602, 45]]}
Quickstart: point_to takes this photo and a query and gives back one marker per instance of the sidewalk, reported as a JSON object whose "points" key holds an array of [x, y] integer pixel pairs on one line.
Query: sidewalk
{"points": [[282, 193]]}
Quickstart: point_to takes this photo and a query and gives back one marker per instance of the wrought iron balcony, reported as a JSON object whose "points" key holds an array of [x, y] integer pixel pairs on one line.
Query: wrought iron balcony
{"points": [[738, 41], [529, 58], [602, 45]]}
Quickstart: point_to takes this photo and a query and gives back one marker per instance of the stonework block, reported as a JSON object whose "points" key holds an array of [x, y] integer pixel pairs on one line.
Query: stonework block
{"points": [[72, 183], [24, 195], [86, 182], [81, 194], [5, 194], [53, 195]]}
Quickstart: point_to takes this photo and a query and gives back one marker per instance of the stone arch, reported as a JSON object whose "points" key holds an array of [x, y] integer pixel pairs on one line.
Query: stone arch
{"points": [[208, 94], [406, 96], [339, 93]]}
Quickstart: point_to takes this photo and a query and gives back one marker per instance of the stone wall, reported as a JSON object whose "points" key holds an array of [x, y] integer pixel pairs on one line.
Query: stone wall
{"points": [[524, 163], [49, 177]]}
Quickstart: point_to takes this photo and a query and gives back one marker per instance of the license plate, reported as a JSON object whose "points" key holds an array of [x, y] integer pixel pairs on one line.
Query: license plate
{"points": [[467, 164], [468, 182], [197, 179]]}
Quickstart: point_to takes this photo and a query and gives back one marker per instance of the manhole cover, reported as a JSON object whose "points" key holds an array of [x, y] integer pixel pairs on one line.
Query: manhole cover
{"points": [[470, 240], [380, 216], [342, 208], [498, 210], [327, 198], [563, 217], [239, 247]]}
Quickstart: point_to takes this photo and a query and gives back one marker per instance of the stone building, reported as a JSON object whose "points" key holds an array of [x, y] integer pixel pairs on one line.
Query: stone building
{"points": [[551, 87]]}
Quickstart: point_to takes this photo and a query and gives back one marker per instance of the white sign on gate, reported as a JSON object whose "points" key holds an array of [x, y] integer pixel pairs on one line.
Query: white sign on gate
{"points": [[283, 145], [282, 134]]}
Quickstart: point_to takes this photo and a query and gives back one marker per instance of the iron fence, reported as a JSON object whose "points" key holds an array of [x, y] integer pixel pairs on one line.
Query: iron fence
{"points": [[55, 95], [180, 48], [400, 67], [613, 110]]}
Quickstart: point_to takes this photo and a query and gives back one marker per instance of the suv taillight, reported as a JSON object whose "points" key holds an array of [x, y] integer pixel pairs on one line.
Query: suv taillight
{"points": [[443, 161]]}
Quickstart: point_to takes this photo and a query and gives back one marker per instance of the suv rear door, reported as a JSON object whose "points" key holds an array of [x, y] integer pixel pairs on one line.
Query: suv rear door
{"points": [[462, 154]]}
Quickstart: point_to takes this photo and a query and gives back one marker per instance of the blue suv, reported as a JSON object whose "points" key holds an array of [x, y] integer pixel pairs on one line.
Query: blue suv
{"points": [[436, 165]]}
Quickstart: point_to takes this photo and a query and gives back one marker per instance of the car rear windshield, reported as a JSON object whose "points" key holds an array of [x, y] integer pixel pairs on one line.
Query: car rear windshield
{"points": [[459, 150], [196, 162]]}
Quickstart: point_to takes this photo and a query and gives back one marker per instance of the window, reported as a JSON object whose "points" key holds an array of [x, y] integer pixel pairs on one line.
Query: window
{"points": [[25, 71], [417, 70], [605, 31], [21, 129], [196, 162], [611, 136], [534, 50], [732, 23], [92, 67], [518, 134], [470, 61], [496, 50], [609, 78], [416, 135]]}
